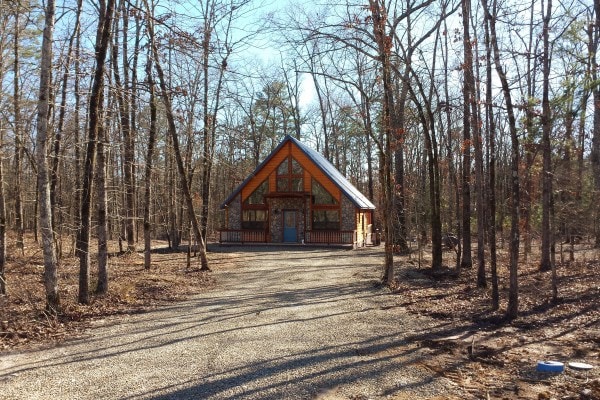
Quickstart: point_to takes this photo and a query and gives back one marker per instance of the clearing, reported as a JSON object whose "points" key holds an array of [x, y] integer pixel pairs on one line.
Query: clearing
{"points": [[297, 323]]}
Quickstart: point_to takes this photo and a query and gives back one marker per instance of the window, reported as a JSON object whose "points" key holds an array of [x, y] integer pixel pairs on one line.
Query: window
{"points": [[320, 195], [254, 208], [290, 176], [254, 219], [258, 196], [326, 220], [296, 168]]}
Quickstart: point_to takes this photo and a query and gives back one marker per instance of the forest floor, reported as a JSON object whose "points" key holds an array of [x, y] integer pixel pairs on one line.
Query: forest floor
{"points": [[471, 346], [493, 358]]}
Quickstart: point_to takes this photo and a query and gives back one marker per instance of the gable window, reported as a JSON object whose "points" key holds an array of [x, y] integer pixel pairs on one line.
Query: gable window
{"points": [[325, 208], [290, 176], [258, 196], [254, 208], [320, 195]]}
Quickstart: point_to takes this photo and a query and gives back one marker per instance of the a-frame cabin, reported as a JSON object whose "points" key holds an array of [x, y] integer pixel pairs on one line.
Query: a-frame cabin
{"points": [[296, 196]]}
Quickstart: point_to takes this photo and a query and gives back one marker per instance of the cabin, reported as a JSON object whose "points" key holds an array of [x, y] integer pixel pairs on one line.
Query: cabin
{"points": [[297, 196]]}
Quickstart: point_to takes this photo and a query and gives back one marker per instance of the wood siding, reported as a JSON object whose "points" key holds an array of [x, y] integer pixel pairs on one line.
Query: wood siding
{"points": [[310, 171], [314, 172]]}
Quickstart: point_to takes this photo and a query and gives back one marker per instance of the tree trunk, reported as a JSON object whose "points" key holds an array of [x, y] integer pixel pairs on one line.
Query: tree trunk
{"points": [[19, 148], [378, 13], [123, 100], [148, 172], [491, 125], [513, 294], [479, 179], [400, 200], [102, 227], [173, 133], [529, 146], [2, 199], [427, 119], [60, 130], [43, 178], [95, 112], [546, 263], [2, 211], [76, 121], [454, 216], [595, 156], [174, 221], [468, 98]]}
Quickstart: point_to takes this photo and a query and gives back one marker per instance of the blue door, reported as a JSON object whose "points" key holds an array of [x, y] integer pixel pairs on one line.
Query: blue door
{"points": [[289, 226]]}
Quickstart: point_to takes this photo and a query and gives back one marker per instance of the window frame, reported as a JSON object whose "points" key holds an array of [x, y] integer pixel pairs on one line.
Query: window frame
{"points": [[254, 224], [290, 177], [254, 208], [328, 226]]}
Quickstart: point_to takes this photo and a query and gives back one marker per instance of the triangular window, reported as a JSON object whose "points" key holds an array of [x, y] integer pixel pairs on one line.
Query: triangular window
{"points": [[320, 195], [258, 196]]}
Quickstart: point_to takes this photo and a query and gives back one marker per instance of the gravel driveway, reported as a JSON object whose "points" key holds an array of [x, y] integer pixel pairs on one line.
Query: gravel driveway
{"points": [[280, 324]]}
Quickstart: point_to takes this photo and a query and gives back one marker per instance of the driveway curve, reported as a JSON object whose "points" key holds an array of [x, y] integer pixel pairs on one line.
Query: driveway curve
{"points": [[281, 323]]}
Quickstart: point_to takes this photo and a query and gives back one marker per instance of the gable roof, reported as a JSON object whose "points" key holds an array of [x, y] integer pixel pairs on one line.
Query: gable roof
{"points": [[347, 189]]}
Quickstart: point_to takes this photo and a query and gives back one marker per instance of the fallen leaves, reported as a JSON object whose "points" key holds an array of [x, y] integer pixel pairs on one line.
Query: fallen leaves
{"points": [[23, 321], [490, 357]]}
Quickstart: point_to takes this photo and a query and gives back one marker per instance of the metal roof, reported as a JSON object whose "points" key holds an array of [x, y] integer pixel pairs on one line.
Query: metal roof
{"points": [[352, 193]]}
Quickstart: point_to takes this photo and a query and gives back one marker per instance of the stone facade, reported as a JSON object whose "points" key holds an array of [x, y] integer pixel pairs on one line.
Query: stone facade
{"points": [[276, 208], [301, 206], [234, 213], [348, 215]]}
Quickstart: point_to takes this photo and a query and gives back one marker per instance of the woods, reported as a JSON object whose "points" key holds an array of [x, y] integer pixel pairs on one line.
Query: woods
{"points": [[132, 121]]}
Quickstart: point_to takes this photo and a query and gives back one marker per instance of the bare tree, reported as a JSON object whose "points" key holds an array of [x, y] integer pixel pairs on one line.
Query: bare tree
{"points": [[149, 164], [58, 136], [124, 102], [43, 179], [2, 213], [102, 209], [513, 295], [468, 101], [3, 23], [491, 128], [384, 43], [19, 147], [96, 108], [546, 264], [595, 156], [183, 176]]}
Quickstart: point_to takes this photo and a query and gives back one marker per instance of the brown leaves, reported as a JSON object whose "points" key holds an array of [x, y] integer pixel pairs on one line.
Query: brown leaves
{"points": [[23, 321], [476, 348]]}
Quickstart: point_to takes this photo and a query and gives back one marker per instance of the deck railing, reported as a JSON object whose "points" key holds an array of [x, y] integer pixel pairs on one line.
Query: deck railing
{"points": [[242, 236], [330, 237], [311, 237]]}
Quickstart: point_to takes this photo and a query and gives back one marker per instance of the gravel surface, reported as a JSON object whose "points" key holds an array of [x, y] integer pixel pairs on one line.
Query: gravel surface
{"points": [[280, 324]]}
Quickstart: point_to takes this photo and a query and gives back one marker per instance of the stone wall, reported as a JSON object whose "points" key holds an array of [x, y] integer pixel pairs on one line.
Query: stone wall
{"points": [[348, 215], [235, 213], [276, 207]]}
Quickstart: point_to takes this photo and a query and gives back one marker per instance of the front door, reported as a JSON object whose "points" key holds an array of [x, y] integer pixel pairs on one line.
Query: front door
{"points": [[289, 226]]}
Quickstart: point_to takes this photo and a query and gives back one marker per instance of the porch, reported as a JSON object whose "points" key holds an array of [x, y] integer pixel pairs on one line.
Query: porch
{"points": [[320, 237]]}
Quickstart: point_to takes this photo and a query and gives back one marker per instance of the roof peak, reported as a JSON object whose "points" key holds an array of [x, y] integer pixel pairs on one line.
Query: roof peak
{"points": [[347, 189]]}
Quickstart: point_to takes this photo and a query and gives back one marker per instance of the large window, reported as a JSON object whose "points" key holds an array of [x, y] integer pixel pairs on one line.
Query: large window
{"points": [[320, 195], [254, 219], [254, 209], [326, 220], [290, 176], [258, 196], [325, 208]]}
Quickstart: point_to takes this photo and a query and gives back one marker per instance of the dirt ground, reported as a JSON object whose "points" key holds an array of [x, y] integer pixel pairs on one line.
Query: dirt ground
{"points": [[490, 357], [484, 355]]}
